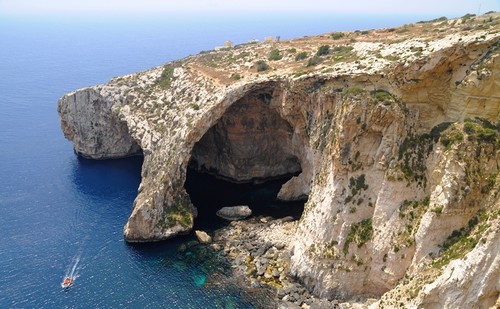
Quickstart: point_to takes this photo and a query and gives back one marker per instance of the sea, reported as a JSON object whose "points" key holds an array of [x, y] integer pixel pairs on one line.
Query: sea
{"points": [[61, 215]]}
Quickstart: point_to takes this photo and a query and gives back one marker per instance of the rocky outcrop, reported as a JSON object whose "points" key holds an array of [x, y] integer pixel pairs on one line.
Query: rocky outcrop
{"points": [[394, 133], [87, 119]]}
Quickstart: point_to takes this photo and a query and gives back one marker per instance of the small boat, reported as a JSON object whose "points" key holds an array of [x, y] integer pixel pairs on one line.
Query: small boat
{"points": [[67, 282]]}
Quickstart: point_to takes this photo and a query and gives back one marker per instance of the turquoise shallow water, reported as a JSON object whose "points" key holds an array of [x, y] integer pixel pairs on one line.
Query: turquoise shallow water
{"points": [[57, 209]]}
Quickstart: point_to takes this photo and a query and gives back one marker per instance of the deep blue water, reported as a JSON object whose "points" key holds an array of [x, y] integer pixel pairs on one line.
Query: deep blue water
{"points": [[57, 209]]}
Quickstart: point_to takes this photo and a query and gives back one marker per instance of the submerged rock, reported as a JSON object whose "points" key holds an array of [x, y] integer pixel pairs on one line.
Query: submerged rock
{"points": [[234, 213]]}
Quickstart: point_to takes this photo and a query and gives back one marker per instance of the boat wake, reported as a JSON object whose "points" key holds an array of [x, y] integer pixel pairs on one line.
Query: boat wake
{"points": [[71, 273]]}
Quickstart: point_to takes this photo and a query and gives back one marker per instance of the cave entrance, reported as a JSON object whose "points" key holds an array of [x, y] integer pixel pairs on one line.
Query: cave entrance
{"points": [[244, 159]]}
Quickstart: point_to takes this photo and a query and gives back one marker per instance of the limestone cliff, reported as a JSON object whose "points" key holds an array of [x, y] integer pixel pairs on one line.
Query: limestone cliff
{"points": [[394, 133]]}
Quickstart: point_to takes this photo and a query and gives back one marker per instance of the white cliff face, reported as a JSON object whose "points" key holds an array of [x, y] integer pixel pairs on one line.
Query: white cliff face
{"points": [[389, 160], [88, 120]]}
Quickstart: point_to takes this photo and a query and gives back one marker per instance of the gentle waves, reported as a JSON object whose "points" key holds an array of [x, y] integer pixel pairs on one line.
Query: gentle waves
{"points": [[63, 216]]}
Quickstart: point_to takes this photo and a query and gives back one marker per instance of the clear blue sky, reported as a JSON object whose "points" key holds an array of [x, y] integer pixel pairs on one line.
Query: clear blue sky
{"points": [[117, 8]]}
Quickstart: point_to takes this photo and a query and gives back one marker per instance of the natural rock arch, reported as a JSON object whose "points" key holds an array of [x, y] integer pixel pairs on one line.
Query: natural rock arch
{"points": [[250, 142]]}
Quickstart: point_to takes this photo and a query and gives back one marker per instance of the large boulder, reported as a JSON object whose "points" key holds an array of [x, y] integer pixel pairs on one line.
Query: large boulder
{"points": [[203, 237], [234, 213]]}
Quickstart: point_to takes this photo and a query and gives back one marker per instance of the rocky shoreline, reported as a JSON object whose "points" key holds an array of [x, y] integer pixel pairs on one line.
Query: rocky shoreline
{"points": [[258, 250]]}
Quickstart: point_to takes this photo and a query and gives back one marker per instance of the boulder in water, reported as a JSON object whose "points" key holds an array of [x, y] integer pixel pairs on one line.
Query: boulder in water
{"points": [[234, 213]]}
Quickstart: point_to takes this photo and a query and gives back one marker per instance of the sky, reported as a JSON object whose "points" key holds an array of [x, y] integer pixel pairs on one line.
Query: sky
{"points": [[116, 8]]}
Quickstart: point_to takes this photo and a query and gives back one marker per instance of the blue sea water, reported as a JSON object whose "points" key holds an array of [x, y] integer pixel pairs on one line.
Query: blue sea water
{"points": [[60, 213]]}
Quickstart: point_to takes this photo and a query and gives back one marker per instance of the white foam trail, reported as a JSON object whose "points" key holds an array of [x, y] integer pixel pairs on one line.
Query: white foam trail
{"points": [[77, 260], [72, 271]]}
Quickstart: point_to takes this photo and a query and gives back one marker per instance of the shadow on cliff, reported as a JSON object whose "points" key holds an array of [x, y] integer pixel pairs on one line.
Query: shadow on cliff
{"points": [[107, 178]]}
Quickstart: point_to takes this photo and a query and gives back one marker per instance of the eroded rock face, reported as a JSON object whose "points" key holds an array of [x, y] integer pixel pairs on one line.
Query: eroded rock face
{"points": [[87, 119], [250, 142], [400, 182]]}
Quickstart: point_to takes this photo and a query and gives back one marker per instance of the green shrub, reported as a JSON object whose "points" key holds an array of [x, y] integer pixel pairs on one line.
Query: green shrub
{"points": [[489, 184], [315, 60], [323, 50], [383, 96], [469, 127], [235, 76], [438, 209], [301, 56], [360, 233], [166, 78], [486, 135], [337, 35], [451, 138], [353, 91], [342, 49], [481, 130], [275, 55], [461, 241], [442, 18], [261, 66], [468, 16]]}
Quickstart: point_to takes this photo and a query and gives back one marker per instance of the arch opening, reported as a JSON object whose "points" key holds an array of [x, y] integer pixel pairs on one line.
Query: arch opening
{"points": [[244, 159]]}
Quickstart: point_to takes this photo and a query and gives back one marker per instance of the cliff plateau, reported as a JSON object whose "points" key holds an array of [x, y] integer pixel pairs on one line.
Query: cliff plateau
{"points": [[393, 135]]}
